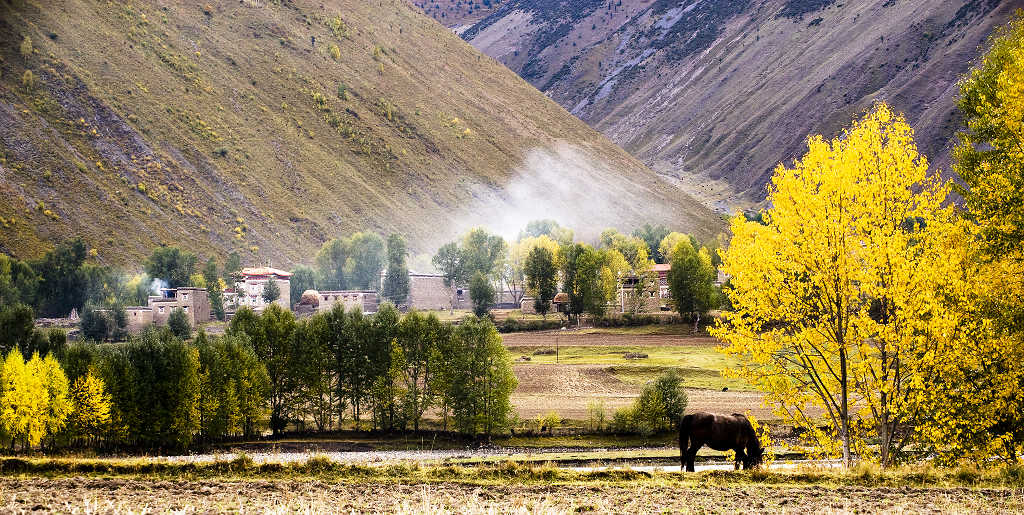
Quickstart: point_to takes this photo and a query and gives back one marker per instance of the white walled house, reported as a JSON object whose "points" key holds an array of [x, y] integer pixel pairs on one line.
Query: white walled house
{"points": [[249, 292]]}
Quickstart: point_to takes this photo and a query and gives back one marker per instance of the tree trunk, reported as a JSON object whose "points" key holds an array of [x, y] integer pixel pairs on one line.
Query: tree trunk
{"points": [[844, 410]]}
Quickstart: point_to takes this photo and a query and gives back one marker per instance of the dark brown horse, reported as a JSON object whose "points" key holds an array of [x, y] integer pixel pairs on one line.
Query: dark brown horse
{"points": [[721, 433]]}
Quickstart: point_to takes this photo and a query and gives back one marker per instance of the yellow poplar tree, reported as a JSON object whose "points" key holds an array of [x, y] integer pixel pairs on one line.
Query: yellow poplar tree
{"points": [[23, 399], [90, 414], [58, 403], [834, 291], [974, 400]]}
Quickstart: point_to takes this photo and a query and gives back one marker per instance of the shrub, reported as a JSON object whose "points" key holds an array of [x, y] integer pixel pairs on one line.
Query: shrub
{"points": [[622, 421], [335, 52], [26, 47], [595, 415], [28, 80], [548, 421], [179, 325], [512, 325]]}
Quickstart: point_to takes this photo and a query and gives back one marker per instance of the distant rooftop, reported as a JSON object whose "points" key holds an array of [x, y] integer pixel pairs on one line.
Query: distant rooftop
{"points": [[265, 271]]}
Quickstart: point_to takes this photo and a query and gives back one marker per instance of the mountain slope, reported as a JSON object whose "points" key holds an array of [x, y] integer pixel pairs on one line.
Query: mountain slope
{"points": [[271, 126], [716, 93]]}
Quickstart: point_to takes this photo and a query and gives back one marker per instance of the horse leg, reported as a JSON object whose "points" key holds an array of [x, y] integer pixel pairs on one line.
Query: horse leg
{"points": [[740, 457], [691, 455]]}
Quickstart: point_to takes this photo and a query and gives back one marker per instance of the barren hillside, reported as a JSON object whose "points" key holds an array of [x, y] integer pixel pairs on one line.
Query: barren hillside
{"points": [[269, 127]]}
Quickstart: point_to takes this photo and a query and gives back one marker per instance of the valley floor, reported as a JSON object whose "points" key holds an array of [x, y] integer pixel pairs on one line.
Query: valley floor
{"points": [[115, 495]]}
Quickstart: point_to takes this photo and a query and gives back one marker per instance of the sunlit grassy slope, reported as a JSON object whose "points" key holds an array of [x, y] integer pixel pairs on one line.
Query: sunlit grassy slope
{"points": [[224, 125]]}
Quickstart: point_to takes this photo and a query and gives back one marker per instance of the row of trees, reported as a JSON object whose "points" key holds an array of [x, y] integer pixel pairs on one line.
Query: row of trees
{"points": [[386, 367], [864, 294], [159, 391], [540, 265]]}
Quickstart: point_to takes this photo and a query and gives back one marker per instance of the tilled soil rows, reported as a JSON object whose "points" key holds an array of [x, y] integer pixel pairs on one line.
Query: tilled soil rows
{"points": [[569, 389], [88, 495]]}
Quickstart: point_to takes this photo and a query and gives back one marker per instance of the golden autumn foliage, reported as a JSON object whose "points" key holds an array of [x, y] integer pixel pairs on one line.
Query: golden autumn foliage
{"points": [[990, 154], [834, 294]]}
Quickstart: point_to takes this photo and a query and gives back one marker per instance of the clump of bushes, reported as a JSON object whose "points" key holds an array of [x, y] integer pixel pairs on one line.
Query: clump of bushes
{"points": [[544, 352], [659, 407], [513, 325], [636, 319], [635, 355]]}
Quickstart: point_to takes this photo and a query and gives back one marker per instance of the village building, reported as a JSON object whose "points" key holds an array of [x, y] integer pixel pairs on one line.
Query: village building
{"points": [[652, 301], [249, 292], [427, 292], [194, 302], [313, 301], [138, 318]]}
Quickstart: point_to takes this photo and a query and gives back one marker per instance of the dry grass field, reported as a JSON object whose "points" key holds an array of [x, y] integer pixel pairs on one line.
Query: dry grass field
{"points": [[114, 495], [592, 367]]}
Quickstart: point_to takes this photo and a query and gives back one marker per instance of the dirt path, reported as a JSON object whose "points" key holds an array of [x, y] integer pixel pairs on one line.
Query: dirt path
{"points": [[573, 338], [82, 495], [570, 389]]}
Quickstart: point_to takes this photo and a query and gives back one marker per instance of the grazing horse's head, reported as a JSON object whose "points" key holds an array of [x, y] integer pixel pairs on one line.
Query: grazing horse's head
{"points": [[754, 456]]}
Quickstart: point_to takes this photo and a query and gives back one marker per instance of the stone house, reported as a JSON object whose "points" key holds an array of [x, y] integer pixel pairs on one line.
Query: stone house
{"points": [[195, 302], [428, 292], [138, 318], [249, 292], [365, 300]]}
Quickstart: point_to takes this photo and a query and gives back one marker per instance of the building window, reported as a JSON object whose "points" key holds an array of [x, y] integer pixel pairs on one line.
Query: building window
{"points": [[184, 296], [184, 308], [161, 309]]}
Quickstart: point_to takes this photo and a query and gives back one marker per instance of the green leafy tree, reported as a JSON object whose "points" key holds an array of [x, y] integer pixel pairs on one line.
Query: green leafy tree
{"points": [[179, 325], [272, 336], [481, 380], [481, 291], [303, 278], [550, 228], [233, 386], [396, 282], [62, 282], [95, 324], [581, 266], [153, 380], [652, 236], [216, 293], [356, 356], [422, 340], [451, 261], [271, 291], [331, 265], [171, 264], [691, 281], [17, 327], [482, 252], [541, 278], [18, 282], [319, 392], [366, 251], [232, 269]]}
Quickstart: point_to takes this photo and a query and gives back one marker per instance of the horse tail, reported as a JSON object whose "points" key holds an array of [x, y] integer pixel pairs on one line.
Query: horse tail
{"points": [[684, 438]]}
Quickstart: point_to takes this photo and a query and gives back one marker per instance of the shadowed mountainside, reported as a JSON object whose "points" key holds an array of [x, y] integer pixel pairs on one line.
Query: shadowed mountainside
{"points": [[717, 93], [269, 127]]}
